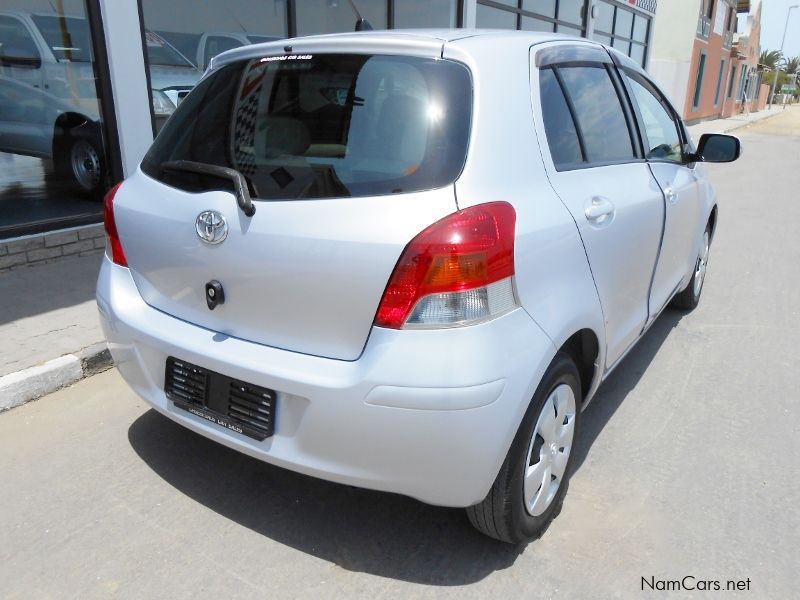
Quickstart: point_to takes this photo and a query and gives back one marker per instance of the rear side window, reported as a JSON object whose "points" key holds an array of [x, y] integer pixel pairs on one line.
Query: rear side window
{"points": [[598, 111], [558, 124], [583, 117], [323, 126]]}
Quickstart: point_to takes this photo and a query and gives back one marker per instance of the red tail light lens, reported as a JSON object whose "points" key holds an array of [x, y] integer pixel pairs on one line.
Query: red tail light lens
{"points": [[113, 244], [445, 275]]}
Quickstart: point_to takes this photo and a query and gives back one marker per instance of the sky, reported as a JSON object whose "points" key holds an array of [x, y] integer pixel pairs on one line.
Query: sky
{"points": [[773, 18]]}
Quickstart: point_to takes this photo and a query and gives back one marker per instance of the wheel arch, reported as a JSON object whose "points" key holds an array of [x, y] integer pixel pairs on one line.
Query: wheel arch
{"points": [[583, 347], [712, 220], [68, 122]]}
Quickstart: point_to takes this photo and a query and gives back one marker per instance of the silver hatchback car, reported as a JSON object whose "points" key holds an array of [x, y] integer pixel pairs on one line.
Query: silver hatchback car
{"points": [[406, 260]]}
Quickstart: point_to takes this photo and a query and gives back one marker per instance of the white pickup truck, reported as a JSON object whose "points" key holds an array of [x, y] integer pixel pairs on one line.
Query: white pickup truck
{"points": [[47, 67]]}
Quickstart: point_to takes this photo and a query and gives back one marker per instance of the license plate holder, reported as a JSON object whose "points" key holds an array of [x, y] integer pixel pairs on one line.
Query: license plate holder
{"points": [[242, 407]]}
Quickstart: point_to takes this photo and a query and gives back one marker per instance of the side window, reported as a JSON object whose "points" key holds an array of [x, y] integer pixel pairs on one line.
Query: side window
{"points": [[598, 113], [663, 141], [17, 48], [562, 137]]}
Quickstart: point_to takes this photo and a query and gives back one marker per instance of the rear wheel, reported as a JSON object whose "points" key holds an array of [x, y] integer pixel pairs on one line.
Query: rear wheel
{"points": [[689, 298], [86, 165], [79, 161], [530, 487]]}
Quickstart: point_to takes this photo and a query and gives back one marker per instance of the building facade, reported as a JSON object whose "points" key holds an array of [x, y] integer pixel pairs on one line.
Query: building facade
{"points": [[86, 84], [705, 54]]}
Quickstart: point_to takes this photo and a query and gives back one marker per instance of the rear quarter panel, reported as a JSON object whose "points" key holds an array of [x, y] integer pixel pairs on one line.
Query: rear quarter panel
{"points": [[554, 282]]}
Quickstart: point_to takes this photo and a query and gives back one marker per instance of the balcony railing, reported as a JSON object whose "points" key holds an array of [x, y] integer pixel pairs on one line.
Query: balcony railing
{"points": [[727, 40], [703, 27]]}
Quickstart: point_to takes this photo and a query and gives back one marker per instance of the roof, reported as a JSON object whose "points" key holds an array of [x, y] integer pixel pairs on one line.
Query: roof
{"points": [[421, 42]]}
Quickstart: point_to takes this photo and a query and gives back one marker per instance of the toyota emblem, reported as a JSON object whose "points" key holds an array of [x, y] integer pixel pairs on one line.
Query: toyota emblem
{"points": [[211, 227]]}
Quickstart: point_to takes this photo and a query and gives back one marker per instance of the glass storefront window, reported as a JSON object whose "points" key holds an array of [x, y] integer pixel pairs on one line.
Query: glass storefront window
{"points": [[409, 14], [545, 8], [623, 24], [567, 30], [53, 165], [181, 39], [605, 18], [637, 53], [623, 46], [533, 24], [602, 38], [571, 11], [488, 17], [330, 16], [640, 29]]}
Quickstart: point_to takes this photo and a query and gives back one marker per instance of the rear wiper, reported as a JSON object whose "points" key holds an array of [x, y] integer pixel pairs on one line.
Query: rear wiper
{"points": [[239, 182]]}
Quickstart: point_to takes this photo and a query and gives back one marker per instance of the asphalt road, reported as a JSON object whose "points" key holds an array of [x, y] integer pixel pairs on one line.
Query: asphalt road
{"points": [[687, 467]]}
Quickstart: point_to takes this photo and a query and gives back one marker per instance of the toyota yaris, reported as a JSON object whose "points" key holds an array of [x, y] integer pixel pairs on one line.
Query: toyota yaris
{"points": [[407, 260]]}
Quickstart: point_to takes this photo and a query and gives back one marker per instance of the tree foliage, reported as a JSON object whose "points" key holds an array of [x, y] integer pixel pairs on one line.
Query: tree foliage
{"points": [[770, 58]]}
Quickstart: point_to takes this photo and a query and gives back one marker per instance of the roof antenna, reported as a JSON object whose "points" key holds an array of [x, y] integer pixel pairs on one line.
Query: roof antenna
{"points": [[362, 24]]}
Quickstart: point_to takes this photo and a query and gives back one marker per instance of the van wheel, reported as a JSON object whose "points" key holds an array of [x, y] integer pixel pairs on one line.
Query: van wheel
{"points": [[689, 298], [80, 161], [530, 487], [86, 165]]}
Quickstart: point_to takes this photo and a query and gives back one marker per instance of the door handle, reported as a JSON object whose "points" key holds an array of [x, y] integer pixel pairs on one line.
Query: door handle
{"points": [[670, 194], [599, 210]]}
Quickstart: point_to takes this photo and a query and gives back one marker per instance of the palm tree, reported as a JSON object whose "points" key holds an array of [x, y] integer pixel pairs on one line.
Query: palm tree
{"points": [[792, 65], [770, 58]]}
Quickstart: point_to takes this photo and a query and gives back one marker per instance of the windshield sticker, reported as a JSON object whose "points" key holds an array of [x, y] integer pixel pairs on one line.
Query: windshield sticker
{"points": [[287, 57]]}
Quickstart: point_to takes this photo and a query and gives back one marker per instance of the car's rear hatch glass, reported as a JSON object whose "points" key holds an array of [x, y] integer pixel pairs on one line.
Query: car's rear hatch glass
{"points": [[323, 126]]}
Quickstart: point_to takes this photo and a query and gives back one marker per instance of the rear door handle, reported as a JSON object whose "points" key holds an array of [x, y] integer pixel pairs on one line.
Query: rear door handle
{"points": [[599, 210], [670, 195]]}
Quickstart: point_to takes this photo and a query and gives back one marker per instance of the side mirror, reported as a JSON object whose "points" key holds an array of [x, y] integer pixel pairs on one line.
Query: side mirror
{"points": [[717, 148]]}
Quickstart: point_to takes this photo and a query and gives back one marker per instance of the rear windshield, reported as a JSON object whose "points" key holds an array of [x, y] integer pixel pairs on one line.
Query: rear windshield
{"points": [[322, 126]]}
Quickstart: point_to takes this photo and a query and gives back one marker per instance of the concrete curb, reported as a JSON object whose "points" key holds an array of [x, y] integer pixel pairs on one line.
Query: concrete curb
{"points": [[32, 383]]}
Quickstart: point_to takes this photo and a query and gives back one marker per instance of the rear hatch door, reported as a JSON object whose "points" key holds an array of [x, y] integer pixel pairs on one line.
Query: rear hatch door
{"points": [[347, 158]]}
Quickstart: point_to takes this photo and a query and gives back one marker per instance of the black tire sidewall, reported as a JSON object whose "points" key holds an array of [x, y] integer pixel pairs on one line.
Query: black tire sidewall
{"points": [[561, 370], [93, 192], [696, 298]]}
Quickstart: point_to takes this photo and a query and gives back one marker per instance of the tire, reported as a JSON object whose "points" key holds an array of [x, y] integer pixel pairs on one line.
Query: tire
{"points": [[513, 512], [79, 161], [688, 299]]}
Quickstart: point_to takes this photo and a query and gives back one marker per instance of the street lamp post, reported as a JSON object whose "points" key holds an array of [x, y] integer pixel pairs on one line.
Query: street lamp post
{"points": [[777, 65]]}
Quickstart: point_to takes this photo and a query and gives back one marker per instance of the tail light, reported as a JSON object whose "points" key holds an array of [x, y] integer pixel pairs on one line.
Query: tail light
{"points": [[113, 244], [458, 271]]}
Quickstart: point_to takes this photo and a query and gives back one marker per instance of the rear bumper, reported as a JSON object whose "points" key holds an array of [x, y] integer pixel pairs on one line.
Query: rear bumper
{"points": [[427, 414]]}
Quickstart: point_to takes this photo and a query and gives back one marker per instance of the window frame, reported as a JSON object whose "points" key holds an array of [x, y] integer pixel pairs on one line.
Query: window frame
{"points": [[566, 55], [683, 137], [731, 79], [720, 78], [697, 96], [520, 12], [36, 63]]}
